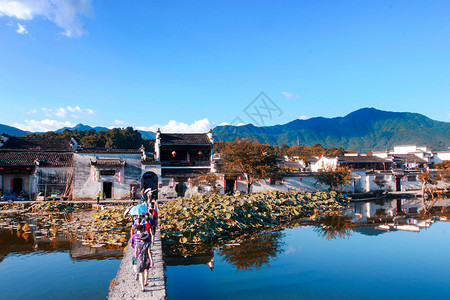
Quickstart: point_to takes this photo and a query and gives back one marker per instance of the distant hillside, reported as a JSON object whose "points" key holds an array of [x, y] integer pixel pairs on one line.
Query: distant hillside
{"points": [[82, 127], [11, 130], [147, 134], [362, 130]]}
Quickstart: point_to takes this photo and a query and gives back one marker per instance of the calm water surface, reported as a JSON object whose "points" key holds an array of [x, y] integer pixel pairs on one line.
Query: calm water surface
{"points": [[330, 260], [301, 263], [54, 269]]}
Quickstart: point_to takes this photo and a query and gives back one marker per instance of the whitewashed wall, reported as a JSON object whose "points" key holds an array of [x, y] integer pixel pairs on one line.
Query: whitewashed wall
{"points": [[87, 182]]}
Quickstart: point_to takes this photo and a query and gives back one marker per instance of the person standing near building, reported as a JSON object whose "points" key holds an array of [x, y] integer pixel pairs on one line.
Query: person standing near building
{"points": [[133, 194], [143, 197], [98, 195]]}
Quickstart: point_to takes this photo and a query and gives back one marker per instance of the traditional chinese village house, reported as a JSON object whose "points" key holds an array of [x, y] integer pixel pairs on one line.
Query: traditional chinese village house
{"points": [[112, 172], [36, 166], [182, 156]]}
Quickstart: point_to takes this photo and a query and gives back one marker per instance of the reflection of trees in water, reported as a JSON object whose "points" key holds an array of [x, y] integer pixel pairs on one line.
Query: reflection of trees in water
{"points": [[335, 227], [253, 250]]}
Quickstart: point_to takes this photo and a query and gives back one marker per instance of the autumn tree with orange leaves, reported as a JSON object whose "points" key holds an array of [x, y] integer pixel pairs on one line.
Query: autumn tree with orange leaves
{"points": [[249, 158]]}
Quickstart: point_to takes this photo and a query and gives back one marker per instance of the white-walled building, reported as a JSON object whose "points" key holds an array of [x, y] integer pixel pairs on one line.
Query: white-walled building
{"points": [[33, 166], [109, 171]]}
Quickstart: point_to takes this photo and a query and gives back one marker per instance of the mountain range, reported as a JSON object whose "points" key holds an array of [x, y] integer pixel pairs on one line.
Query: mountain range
{"points": [[366, 129]]}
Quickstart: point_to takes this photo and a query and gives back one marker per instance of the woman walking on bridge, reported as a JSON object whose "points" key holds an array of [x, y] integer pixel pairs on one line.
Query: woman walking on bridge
{"points": [[144, 257]]}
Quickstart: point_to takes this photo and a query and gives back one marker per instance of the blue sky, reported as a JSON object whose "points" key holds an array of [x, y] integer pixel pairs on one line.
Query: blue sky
{"points": [[191, 65]]}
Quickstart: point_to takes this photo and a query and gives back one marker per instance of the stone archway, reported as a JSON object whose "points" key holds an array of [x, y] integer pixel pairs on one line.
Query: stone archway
{"points": [[150, 180]]}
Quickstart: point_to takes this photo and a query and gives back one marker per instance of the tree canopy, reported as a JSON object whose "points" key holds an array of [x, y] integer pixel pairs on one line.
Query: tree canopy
{"points": [[116, 138], [334, 178], [303, 152], [249, 158]]}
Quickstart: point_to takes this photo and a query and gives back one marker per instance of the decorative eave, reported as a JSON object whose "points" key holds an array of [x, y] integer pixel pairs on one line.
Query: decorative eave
{"points": [[108, 162]]}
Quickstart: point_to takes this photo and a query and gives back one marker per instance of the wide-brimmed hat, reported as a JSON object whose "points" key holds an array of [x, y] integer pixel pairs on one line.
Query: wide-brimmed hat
{"points": [[143, 236]]}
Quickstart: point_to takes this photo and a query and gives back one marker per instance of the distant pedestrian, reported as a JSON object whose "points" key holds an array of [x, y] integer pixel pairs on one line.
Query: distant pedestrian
{"points": [[98, 195], [143, 197], [144, 257], [133, 193]]}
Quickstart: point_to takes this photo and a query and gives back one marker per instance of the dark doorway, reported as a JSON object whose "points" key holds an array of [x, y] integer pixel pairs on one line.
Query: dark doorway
{"points": [[398, 184], [229, 186], [357, 185], [107, 190], [150, 180], [399, 206], [180, 189], [17, 185]]}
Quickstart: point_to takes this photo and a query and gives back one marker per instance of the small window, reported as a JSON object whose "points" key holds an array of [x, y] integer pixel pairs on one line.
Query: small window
{"points": [[412, 178]]}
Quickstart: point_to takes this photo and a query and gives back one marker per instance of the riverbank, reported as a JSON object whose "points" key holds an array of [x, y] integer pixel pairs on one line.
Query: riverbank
{"points": [[124, 286]]}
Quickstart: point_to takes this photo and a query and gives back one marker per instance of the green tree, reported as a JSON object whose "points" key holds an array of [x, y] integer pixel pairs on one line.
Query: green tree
{"points": [[334, 178], [252, 159]]}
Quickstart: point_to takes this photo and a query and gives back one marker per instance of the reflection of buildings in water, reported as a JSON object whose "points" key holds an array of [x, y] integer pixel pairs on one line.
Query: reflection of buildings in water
{"points": [[203, 258], [391, 215], [83, 252], [12, 242], [361, 212]]}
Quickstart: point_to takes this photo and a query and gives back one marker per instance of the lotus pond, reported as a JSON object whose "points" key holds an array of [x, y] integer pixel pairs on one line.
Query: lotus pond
{"points": [[58, 251], [362, 254]]}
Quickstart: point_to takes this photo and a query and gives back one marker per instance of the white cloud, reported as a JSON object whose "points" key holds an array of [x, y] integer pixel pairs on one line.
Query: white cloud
{"points": [[73, 109], [64, 13], [61, 113], [21, 29], [290, 96], [31, 112], [224, 124], [199, 126], [303, 117], [121, 123], [42, 125], [241, 124], [47, 111], [71, 112]]}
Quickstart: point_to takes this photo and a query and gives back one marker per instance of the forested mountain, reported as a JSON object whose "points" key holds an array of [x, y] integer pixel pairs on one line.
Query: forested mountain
{"points": [[366, 129], [82, 127], [363, 130], [11, 130], [116, 138]]}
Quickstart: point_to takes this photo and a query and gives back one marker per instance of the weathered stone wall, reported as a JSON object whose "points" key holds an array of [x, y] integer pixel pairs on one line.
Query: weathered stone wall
{"points": [[88, 181]]}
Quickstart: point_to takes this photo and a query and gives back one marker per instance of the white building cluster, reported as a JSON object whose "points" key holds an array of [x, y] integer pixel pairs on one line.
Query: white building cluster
{"points": [[44, 168]]}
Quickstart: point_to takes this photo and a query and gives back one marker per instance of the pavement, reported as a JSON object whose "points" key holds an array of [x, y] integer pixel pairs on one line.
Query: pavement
{"points": [[126, 287]]}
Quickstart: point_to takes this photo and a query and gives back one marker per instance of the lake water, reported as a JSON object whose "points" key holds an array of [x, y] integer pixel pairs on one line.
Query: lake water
{"points": [[338, 258], [54, 268], [315, 262]]}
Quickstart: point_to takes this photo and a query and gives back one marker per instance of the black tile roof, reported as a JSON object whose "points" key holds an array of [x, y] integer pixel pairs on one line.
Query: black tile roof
{"points": [[291, 164], [184, 139], [104, 150], [25, 143], [29, 158], [407, 158], [362, 159]]}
